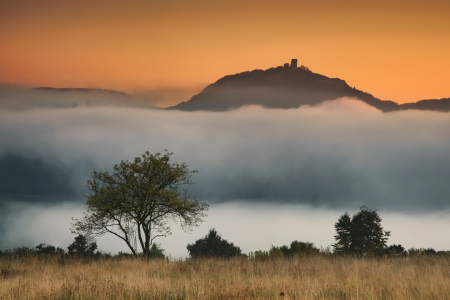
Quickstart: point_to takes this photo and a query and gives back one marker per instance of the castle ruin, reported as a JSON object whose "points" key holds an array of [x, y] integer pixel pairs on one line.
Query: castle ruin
{"points": [[294, 63]]}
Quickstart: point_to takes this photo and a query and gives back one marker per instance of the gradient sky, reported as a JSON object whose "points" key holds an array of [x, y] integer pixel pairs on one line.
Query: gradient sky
{"points": [[397, 50]]}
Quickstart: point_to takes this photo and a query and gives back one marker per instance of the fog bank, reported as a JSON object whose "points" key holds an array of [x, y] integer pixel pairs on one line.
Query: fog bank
{"points": [[330, 158], [340, 154]]}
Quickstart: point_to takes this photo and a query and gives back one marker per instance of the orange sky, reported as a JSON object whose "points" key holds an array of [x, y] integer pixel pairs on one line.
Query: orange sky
{"points": [[397, 50]]}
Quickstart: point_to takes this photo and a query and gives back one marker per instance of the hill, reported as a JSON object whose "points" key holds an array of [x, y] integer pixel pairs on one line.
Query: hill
{"points": [[17, 98], [288, 86], [71, 97]]}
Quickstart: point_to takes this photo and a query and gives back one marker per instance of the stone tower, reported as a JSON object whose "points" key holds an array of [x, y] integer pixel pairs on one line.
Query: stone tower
{"points": [[294, 63]]}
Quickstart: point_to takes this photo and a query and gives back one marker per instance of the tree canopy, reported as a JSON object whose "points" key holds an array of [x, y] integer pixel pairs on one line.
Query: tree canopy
{"points": [[138, 199], [213, 245], [361, 234], [82, 246], [296, 248]]}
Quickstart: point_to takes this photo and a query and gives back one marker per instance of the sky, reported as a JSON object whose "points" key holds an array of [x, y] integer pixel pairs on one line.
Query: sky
{"points": [[396, 50], [270, 176]]}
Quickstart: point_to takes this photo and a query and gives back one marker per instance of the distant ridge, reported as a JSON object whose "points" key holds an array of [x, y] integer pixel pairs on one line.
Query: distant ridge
{"points": [[74, 97], [286, 87], [429, 104], [82, 90]]}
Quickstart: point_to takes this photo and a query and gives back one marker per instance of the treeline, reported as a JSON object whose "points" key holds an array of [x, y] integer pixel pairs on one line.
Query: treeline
{"points": [[211, 246], [82, 247], [214, 246], [290, 252], [358, 235]]}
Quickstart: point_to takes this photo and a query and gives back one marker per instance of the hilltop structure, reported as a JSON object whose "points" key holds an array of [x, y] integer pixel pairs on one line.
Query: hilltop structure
{"points": [[288, 86], [294, 63]]}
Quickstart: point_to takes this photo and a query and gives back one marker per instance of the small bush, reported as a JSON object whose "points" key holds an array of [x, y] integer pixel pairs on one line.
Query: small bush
{"points": [[156, 252], [396, 250], [259, 255], [212, 245], [295, 249], [421, 251]]}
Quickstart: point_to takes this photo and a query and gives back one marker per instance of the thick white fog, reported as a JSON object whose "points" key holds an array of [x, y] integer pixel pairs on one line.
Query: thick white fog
{"points": [[270, 176]]}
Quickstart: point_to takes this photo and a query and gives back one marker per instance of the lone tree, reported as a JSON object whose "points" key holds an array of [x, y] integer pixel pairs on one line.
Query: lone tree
{"points": [[361, 234], [138, 199], [212, 245]]}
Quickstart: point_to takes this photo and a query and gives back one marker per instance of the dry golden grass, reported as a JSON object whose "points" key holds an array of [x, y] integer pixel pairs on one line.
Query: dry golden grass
{"points": [[319, 277]]}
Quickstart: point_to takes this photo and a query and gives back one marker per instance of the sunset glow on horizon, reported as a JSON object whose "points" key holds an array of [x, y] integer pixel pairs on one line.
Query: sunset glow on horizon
{"points": [[395, 50]]}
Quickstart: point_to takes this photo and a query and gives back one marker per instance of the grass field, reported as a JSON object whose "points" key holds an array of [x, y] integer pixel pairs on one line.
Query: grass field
{"points": [[311, 277]]}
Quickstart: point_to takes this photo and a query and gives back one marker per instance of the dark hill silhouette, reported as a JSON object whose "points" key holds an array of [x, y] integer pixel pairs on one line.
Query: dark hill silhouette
{"points": [[18, 98], [87, 97], [430, 104], [81, 90], [288, 87]]}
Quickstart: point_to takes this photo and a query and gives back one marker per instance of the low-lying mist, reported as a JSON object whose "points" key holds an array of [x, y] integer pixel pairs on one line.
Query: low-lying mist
{"points": [[326, 159]]}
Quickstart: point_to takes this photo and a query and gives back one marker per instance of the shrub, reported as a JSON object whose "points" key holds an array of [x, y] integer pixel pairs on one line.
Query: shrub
{"points": [[395, 250], [302, 248], [212, 245], [81, 246], [421, 251], [296, 248], [259, 255], [156, 252], [44, 249], [275, 253]]}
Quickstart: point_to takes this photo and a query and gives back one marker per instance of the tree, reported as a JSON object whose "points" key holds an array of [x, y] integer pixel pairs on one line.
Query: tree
{"points": [[343, 234], [82, 246], [136, 202], [212, 245], [156, 251], [361, 234]]}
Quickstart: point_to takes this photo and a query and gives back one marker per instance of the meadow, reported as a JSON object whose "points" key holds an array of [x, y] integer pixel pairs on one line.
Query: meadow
{"points": [[307, 277]]}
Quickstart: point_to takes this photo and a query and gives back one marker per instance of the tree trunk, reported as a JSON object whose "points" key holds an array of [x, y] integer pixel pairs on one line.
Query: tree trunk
{"points": [[147, 247], [140, 237]]}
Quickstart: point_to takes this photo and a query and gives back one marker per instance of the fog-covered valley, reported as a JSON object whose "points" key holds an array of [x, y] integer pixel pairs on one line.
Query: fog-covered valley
{"points": [[269, 175]]}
